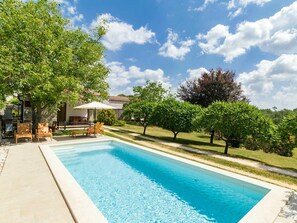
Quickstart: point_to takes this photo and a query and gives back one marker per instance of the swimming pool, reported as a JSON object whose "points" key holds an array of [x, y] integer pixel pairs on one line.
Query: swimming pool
{"points": [[133, 184]]}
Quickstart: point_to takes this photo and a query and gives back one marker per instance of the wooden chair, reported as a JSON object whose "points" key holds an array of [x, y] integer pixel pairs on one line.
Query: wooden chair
{"points": [[95, 129], [24, 130], [43, 131]]}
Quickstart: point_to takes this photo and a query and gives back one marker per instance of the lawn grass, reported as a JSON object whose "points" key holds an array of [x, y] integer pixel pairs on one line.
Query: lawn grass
{"points": [[279, 179], [201, 141]]}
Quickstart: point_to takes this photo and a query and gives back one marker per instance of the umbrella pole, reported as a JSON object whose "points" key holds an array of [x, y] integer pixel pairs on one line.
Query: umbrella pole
{"points": [[95, 118]]}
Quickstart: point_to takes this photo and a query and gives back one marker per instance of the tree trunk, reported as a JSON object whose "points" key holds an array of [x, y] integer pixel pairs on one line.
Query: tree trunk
{"points": [[174, 137], [226, 147], [36, 116], [212, 136], [144, 129]]}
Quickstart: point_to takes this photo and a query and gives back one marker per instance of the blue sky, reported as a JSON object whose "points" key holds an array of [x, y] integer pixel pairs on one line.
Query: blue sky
{"points": [[173, 41]]}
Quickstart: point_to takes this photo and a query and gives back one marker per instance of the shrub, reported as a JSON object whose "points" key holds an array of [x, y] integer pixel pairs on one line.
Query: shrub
{"points": [[120, 123], [108, 117], [283, 147], [251, 143], [62, 132], [235, 143]]}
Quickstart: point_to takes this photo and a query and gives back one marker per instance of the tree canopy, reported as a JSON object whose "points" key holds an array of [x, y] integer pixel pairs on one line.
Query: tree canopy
{"points": [[175, 116], [235, 121], [152, 91], [43, 61], [141, 111], [275, 115], [286, 135], [217, 85]]}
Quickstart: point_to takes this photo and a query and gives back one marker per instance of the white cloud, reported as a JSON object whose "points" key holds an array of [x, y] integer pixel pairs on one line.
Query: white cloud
{"points": [[71, 10], [276, 34], [235, 13], [76, 18], [122, 78], [120, 33], [169, 48], [196, 73], [58, 1], [205, 4], [236, 6], [68, 9], [244, 3], [132, 59], [273, 83]]}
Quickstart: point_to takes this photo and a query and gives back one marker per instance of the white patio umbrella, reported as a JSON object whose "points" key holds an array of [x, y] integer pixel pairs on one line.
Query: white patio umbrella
{"points": [[94, 105]]}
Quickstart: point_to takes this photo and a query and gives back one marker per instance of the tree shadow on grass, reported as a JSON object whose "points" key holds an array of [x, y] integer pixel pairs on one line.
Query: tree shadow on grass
{"points": [[197, 145], [186, 142]]}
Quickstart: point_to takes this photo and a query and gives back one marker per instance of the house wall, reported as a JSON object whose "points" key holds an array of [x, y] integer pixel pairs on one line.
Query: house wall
{"points": [[70, 111], [118, 107]]}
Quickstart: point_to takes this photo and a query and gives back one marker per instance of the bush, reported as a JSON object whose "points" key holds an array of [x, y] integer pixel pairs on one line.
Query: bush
{"points": [[108, 117], [62, 132], [120, 123], [275, 145], [283, 147], [253, 144]]}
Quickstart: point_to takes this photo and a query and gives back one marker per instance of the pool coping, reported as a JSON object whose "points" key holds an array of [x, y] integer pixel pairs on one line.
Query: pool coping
{"points": [[84, 210], [80, 205]]}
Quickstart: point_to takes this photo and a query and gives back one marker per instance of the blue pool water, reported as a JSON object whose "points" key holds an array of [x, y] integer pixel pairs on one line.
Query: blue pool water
{"points": [[129, 184]]}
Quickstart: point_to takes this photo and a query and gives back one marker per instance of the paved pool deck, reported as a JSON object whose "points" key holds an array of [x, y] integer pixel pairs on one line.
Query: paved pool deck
{"points": [[28, 191]]}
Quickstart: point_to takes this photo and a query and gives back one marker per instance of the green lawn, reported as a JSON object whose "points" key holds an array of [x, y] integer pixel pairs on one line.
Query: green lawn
{"points": [[201, 141]]}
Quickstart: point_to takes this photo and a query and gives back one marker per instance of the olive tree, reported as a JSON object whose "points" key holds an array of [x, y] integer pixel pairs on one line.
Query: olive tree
{"points": [[152, 91], [287, 135], [175, 116], [235, 121], [141, 111]]}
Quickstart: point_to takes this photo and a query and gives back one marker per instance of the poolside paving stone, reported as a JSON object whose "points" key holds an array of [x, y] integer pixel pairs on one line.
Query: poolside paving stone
{"points": [[28, 190]]}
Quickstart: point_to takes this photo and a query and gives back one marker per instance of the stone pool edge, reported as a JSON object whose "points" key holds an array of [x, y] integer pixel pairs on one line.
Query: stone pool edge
{"points": [[265, 211], [80, 205]]}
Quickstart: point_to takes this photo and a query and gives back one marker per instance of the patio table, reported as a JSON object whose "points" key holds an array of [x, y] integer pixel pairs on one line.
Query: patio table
{"points": [[77, 132]]}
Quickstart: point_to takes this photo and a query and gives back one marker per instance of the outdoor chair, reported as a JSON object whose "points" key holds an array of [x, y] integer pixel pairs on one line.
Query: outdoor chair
{"points": [[24, 130], [43, 131], [95, 129]]}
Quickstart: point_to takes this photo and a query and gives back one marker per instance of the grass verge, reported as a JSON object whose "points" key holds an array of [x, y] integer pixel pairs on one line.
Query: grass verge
{"points": [[275, 178], [201, 141]]}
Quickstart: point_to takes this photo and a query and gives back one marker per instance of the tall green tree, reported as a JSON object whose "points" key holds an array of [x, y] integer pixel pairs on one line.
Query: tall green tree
{"points": [[286, 135], [216, 85], [175, 116], [43, 61], [288, 126], [152, 91], [276, 116], [141, 111], [235, 121]]}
